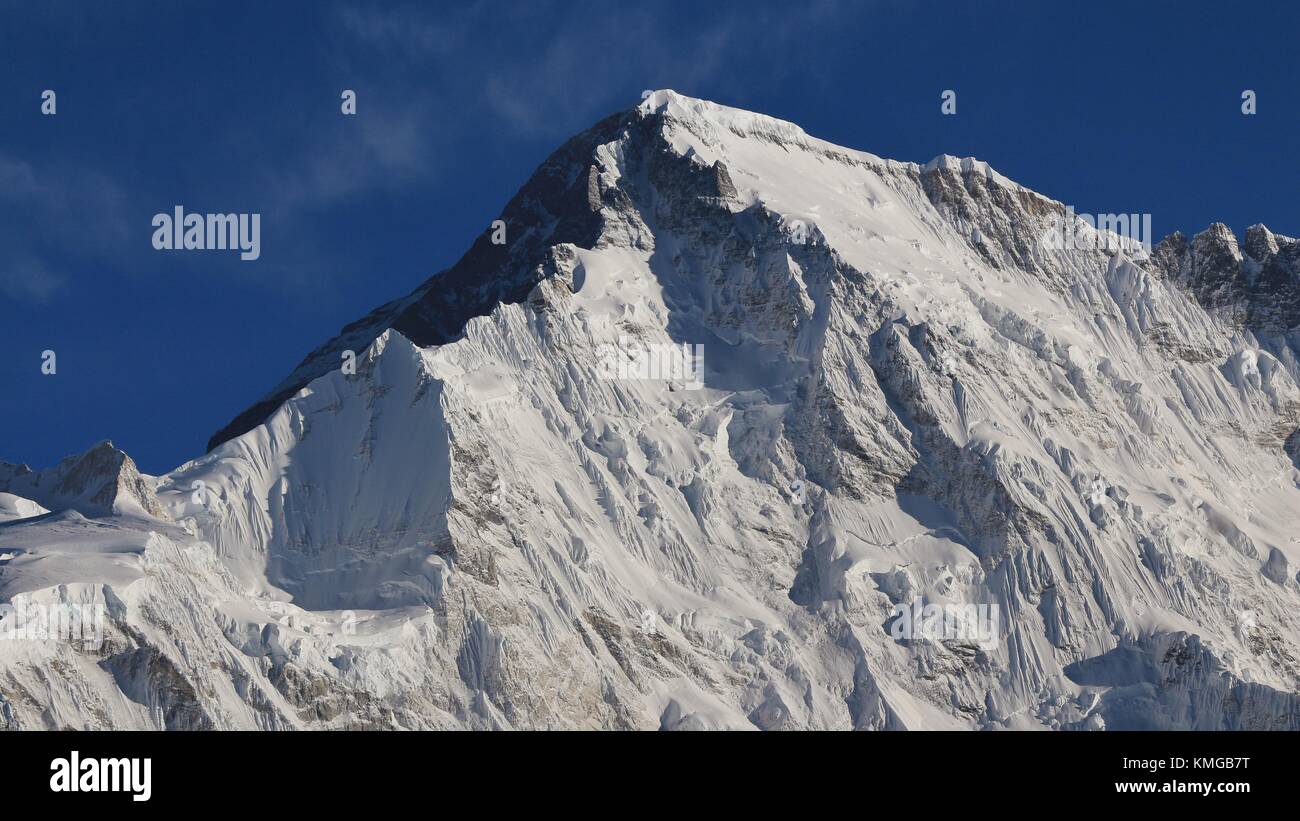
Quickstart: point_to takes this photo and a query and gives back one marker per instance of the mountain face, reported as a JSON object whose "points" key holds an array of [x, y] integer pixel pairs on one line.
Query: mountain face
{"points": [[929, 472], [555, 208]]}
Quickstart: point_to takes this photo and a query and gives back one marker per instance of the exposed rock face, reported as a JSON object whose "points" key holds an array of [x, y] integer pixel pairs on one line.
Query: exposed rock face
{"points": [[1254, 285], [1077, 458]]}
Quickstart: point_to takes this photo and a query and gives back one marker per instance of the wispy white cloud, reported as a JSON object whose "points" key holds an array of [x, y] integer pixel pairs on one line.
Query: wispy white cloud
{"points": [[27, 279], [410, 31], [513, 73], [86, 204], [392, 147], [547, 69]]}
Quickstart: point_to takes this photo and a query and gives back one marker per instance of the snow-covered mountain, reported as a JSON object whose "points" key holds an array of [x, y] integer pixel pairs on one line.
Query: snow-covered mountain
{"points": [[907, 398]]}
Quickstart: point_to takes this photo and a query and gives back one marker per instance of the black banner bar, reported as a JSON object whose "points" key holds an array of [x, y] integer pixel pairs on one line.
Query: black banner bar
{"points": [[332, 771]]}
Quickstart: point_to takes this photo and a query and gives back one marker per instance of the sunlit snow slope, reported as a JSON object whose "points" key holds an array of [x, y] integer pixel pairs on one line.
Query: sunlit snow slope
{"points": [[906, 395]]}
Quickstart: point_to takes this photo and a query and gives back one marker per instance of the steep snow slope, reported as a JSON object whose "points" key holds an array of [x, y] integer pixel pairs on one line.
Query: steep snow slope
{"points": [[16, 507], [906, 394]]}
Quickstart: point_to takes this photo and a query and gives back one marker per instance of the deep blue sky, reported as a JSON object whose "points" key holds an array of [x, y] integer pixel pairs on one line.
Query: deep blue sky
{"points": [[234, 107]]}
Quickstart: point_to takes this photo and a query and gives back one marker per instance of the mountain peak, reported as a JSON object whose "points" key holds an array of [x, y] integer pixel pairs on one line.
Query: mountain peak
{"points": [[1260, 243], [579, 197], [102, 481], [967, 165], [681, 107], [899, 396]]}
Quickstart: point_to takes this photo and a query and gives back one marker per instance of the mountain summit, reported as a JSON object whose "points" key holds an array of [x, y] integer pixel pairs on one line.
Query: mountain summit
{"points": [[914, 468]]}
